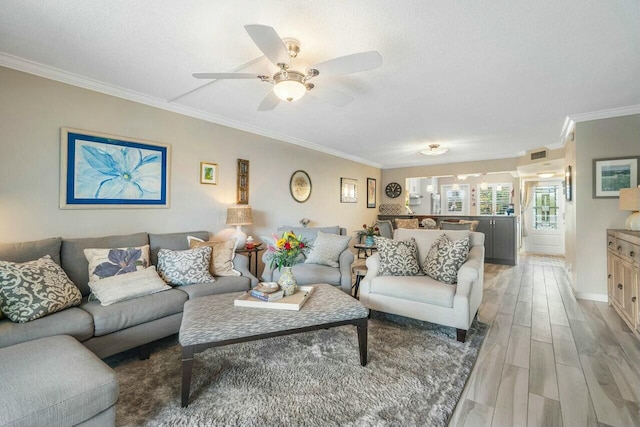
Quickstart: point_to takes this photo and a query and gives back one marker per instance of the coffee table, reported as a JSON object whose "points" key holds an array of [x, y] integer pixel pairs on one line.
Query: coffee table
{"points": [[214, 321]]}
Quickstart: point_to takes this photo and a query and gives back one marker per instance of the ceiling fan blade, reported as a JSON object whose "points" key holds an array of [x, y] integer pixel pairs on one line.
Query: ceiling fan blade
{"points": [[353, 63], [330, 96], [217, 76], [269, 102], [269, 42]]}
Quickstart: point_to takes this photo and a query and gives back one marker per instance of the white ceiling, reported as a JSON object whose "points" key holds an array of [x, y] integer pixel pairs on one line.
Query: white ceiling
{"points": [[486, 79]]}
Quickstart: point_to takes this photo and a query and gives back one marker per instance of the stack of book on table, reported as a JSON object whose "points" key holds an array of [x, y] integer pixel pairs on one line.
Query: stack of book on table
{"points": [[267, 296]]}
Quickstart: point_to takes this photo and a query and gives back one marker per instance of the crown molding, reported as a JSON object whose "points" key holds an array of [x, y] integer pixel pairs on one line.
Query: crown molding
{"points": [[605, 114], [52, 73]]}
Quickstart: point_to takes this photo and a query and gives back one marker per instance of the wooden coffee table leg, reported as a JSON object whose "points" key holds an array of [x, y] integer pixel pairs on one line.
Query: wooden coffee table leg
{"points": [[187, 368], [362, 340]]}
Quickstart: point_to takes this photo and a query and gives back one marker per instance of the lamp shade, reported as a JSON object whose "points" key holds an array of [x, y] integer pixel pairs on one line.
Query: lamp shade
{"points": [[630, 201], [239, 215]]}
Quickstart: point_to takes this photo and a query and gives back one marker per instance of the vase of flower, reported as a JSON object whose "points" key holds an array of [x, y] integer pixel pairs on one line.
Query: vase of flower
{"points": [[369, 241], [287, 281], [368, 231]]}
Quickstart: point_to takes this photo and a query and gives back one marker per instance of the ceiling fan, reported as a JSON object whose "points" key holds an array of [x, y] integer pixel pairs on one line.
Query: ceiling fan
{"points": [[292, 81]]}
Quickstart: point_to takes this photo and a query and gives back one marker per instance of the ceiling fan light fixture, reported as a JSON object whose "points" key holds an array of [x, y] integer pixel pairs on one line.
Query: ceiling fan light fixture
{"points": [[289, 85], [434, 150]]}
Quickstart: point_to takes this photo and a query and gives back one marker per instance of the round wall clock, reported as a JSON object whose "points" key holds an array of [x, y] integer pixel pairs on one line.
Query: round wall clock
{"points": [[300, 186], [393, 190]]}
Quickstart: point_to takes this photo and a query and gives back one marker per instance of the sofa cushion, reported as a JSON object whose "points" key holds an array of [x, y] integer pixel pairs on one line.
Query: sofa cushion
{"points": [[327, 248], [75, 263], [185, 267], [411, 223], [29, 251], [222, 285], [115, 261], [398, 257], [446, 225], [309, 233], [54, 381], [72, 321], [173, 241], [445, 259], [222, 254], [414, 288], [425, 238], [35, 289], [307, 274], [126, 286], [126, 314]]}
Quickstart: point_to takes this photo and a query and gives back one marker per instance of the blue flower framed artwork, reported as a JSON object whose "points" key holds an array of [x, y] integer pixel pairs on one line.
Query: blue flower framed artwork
{"points": [[107, 171]]}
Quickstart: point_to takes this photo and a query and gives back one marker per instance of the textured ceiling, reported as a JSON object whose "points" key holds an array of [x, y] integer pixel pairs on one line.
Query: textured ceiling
{"points": [[486, 79]]}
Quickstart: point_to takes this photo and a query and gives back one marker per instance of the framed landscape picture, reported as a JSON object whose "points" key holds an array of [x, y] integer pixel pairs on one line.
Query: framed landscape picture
{"points": [[107, 171], [208, 173], [610, 175]]}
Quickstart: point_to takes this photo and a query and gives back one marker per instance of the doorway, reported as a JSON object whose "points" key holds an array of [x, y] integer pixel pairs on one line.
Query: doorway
{"points": [[545, 219]]}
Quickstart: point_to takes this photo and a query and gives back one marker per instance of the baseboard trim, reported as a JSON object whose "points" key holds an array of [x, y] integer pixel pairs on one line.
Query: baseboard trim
{"points": [[592, 297]]}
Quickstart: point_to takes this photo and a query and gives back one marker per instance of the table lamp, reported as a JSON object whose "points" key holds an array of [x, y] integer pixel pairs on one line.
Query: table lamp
{"points": [[630, 201], [239, 216]]}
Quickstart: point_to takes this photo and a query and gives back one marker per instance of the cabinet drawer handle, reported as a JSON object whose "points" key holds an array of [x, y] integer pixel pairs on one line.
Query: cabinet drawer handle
{"points": [[619, 285], [609, 276], [610, 243], [619, 248], [633, 299], [632, 254]]}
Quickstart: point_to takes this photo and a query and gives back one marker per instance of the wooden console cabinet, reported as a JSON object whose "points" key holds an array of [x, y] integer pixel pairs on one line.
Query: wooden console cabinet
{"points": [[623, 275]]}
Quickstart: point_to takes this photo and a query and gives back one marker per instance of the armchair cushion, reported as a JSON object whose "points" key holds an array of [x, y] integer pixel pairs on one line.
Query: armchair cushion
{"points": [[327, 248], [445, 259], [414, 288], [398, 257]]}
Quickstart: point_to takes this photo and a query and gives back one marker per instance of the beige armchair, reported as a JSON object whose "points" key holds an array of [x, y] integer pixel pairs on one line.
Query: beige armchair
{"points": [[423, 298]]}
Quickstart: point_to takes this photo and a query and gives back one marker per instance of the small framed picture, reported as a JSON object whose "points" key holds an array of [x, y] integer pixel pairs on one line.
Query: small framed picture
{"points": [[371, 193], [300, 186], [208, 173], [610, 175], [348, 190]]}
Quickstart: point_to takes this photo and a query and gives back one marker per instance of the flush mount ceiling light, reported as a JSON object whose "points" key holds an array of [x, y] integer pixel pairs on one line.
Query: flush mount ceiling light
{"points": [[546, 174], [484, 185], [434, 150]]}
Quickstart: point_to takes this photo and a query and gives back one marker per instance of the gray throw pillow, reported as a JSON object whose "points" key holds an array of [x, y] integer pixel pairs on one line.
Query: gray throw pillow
{"points": [[35, 289], [445, 259], [185, 267], [398, 257], [327, 248]]}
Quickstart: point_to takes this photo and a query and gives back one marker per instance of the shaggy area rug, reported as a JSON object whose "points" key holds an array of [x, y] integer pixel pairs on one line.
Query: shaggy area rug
{"points": [[415, 375]]}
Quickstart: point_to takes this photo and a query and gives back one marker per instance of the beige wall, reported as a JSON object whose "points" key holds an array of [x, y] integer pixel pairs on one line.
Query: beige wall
{"points": [[32, 110], [570, 215], [605, 138]]}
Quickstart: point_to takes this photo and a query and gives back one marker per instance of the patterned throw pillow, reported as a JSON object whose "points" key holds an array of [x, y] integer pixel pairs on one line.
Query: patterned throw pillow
{"points": [[445, 259], [222, 254], [126, 286], [327, 248], [398, 257], [112, 262], [35, 289], [185, 267], [407, 223]]}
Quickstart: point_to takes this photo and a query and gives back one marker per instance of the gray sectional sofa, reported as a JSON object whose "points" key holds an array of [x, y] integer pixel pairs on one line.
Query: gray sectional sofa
{"points": [[49, 374], [125, 325]]}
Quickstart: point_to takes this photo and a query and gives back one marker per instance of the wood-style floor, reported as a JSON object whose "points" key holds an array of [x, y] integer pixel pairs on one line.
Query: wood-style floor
{"points": [[549, 359]]}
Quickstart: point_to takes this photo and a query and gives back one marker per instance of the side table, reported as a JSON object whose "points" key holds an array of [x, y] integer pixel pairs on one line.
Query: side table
{"points": [[249, 252], [360, 271], [368, 250]]}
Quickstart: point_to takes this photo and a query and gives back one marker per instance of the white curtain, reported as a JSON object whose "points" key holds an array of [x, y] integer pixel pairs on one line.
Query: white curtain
{"points": [[527, 198]]}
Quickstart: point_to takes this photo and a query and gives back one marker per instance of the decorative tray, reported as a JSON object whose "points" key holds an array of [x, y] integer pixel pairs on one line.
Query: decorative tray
{"points": [[292, 302]]}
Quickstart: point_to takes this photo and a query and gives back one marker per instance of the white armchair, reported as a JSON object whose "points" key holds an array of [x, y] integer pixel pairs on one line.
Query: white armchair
{"points": [[423, 298]]}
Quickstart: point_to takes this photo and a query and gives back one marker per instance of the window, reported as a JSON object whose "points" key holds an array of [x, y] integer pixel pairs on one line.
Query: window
{"points": [[545, 208], [456, 202], [494, 200]]}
